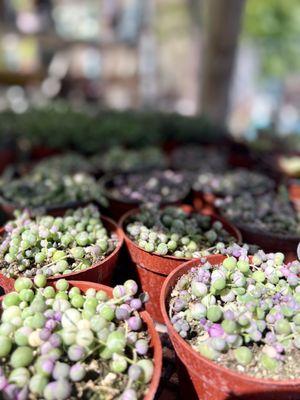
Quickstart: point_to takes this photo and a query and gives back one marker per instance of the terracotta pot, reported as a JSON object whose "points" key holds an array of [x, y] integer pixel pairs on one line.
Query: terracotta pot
{"points": [[294, 192], [101, 271], [155, 343], [40, 152], [153, 269], [240, 155], [7, 157], [212, 381], [6, 285]]}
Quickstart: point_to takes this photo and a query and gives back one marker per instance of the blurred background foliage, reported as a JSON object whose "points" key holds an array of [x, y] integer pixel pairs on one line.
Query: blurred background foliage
{"points": [[274, 25], [147, 56]]}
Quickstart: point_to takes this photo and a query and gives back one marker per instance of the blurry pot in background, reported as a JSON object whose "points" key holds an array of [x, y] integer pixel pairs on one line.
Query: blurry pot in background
{"points": [[130, 190]]}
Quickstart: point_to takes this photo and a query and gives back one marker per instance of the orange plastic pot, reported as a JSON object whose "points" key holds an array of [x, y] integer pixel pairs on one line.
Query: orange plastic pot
{"points": [[152, 269], [294, 192], [6, 285], [210, 380], [103, 270], [155, 344]]}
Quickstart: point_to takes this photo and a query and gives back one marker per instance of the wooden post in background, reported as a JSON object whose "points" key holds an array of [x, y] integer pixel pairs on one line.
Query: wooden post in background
{"points": [[222, 21]]}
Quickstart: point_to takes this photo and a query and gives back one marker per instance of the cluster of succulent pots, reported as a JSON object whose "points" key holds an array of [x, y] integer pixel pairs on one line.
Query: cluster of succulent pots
{"points": [[35, 190], [233, 317], [119, 159], [59, 342], [32, 245]]}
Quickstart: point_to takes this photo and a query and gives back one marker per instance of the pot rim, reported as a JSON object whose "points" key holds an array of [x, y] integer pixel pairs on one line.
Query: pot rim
{"points": [[4, 203], [114, 228], [189, 209], [188, 349]]}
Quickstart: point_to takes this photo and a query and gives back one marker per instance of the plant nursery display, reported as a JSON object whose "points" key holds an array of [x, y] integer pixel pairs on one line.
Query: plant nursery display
{"points": [[159, 187], [232, 183], [194, 157], [174, 231], [60, 342], [54, 245], [55, 190], [271, 212], [119, 159]]}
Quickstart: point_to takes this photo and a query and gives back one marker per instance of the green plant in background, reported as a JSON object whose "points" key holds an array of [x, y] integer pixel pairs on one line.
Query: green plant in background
{"points": [[62, 128], [274, 25]]}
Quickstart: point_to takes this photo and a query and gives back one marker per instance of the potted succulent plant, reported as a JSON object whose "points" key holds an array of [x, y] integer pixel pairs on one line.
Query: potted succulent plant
{"points": [[120, 159], [209, 186], [160, 239], [81, 244], [234, 323], [128, 191], [269, 220], [77, 340], [52, 191], [68, 163], [194, 157]]}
